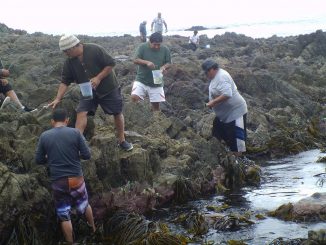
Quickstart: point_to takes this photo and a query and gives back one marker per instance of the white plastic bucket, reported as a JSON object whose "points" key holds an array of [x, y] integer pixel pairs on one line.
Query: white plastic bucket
{"points": [[86, 90], [157, 76]]}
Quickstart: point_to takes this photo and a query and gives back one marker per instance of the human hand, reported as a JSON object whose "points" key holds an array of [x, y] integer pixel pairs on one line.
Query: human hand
{"points": [[4, 82], [166, 30], [163, 69], [150, 65], [5, 72], [95, 82], [54, 103], [210, 104]]}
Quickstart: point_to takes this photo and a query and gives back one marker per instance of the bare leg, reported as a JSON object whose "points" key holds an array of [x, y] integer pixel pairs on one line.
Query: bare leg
{"points": [[155, 106], [89, 217], [66, 227], [14, 97], [81, 121], [119, 123]]}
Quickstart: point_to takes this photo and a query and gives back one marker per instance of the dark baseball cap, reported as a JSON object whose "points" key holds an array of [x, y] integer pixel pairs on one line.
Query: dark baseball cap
{"points": [[208, 64]]}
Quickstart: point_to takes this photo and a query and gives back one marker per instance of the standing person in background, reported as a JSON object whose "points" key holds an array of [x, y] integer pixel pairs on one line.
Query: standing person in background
{"points": [[152, 58], [90, 62], [142, 31], [158, 24], [62, 147], [194, 41], [229, 106], [6, 89]]}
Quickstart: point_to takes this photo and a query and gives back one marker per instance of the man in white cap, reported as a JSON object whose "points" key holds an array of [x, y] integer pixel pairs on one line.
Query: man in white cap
{"points": [[89, 62]]}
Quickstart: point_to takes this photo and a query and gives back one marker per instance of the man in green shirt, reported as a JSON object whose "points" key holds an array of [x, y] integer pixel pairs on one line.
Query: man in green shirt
{"points": [[90, 63], [153, 59]]}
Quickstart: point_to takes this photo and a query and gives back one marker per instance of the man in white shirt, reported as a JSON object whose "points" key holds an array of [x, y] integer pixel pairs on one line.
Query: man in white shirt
{"points": [[194, 41], [158, 23]]}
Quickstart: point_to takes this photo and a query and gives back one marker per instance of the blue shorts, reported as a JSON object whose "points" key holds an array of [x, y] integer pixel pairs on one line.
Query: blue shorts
{"points": [[67, 193], [233, 133]]}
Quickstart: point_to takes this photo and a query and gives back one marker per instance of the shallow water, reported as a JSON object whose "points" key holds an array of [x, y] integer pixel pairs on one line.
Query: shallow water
{"points": [[285, 180]]}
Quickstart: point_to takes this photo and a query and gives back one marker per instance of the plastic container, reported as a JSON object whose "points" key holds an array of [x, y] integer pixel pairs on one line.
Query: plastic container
{"points": [[157, 76], [86, 90]]}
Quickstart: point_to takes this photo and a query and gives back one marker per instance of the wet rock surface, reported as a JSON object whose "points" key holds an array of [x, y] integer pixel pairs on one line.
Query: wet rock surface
{"points": [[174, 156], [308, 209]]}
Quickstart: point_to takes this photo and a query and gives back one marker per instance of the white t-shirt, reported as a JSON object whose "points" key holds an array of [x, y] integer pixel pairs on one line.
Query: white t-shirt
{"points": [[158, 24], [194, 39], [232, 108]]}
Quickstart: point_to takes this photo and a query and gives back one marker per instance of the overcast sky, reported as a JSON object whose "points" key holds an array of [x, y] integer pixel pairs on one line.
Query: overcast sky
{"points": [[103, 16]]}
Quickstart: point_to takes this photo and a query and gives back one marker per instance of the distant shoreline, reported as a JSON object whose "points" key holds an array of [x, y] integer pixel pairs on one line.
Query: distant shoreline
{"points": [[253, 30], [202, 28]]}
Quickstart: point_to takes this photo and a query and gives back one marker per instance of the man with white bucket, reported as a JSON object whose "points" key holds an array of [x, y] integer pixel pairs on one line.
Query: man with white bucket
{"points": [[153, 60], [90, 66]]}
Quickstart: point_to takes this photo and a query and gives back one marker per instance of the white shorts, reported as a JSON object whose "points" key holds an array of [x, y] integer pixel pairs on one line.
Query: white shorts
{"points": [[155, 94]]}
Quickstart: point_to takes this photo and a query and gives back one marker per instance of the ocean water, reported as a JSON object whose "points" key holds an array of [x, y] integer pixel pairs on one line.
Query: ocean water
{"points": [[254, 30]]}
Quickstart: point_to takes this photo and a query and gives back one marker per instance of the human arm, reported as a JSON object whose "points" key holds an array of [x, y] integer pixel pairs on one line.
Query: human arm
{"points": [[167, 60], [166, 26], [85, 153], [165, 67], [220, 90], [147, 63], [40, 154], [61, 92], [152, 25], [217, 100], [95, 81]]}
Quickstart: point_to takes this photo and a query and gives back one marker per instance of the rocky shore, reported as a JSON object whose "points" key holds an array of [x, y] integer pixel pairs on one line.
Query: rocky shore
{"points": [[175, 159]]}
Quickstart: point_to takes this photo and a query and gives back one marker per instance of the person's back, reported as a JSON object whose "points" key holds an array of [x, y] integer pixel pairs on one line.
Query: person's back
{"points": [[61, 147], [142, 31], [142, 27], [64, 148]]}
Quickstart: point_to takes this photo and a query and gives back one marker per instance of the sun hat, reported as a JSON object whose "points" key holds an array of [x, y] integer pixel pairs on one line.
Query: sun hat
{"points": [[208, 64], [67, 42]]}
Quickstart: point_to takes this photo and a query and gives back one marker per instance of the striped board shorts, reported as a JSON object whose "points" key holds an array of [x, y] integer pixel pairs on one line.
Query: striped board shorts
{"points": [[233, 133], [67, 193]]}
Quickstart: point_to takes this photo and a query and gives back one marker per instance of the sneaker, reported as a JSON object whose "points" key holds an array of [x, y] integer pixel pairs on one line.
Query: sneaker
{"points": [[125, 145], [28, 109]]}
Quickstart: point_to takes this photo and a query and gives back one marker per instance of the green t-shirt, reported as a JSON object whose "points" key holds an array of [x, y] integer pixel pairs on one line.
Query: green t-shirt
{"points": [[95, 58], [158, 57]]}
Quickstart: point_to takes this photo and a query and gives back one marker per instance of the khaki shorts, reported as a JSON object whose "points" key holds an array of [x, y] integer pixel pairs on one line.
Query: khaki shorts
{"points": [[155, 94]]}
